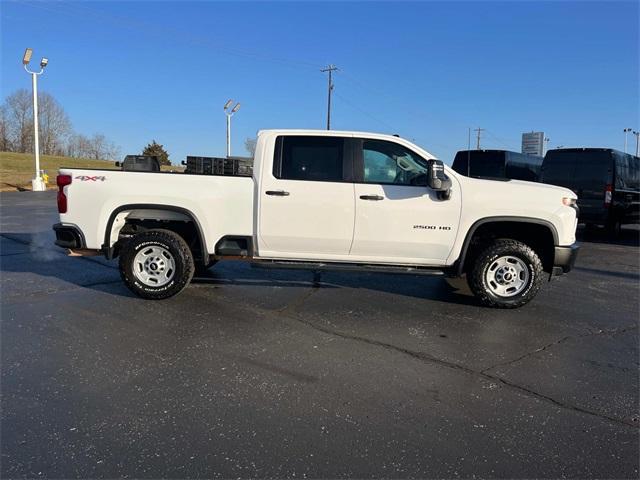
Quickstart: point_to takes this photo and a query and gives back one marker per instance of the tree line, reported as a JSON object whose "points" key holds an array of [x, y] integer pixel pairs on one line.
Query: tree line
{"points": [[56, 133]]}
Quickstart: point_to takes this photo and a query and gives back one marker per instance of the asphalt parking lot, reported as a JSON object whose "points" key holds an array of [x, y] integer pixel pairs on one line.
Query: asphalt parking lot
{"points": [[255, 373]]}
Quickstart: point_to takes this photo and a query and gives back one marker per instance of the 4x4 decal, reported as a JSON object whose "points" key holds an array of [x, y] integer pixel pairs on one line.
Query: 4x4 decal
{"points": [[87, 178]]}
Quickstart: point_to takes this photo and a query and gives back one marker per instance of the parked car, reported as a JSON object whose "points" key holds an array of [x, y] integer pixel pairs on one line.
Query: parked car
{"points": [[323, 200], [606, 181], [498, 164]]}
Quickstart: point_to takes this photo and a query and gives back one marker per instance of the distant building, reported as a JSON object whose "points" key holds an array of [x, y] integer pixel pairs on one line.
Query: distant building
{"points": [[533, 143]]}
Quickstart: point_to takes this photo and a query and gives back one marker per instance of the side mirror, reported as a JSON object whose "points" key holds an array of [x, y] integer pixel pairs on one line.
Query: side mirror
{"points": [[437, 180], [118, 164]]}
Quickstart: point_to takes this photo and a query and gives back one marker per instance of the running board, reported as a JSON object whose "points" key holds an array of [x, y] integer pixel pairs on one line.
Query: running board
{"points": [[353, 267]]}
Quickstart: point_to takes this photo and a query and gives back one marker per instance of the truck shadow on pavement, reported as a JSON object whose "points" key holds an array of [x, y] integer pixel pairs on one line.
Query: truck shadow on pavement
{"points": [[35, 253], [407, 285], [47, 268]]}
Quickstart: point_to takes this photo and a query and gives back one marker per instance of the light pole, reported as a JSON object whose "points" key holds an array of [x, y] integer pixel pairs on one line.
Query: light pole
{"points": [[37, 185], [637, 134], [626, 130], [229, 113]]}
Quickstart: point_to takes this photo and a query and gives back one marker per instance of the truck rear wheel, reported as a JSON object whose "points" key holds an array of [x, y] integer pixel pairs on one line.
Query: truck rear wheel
{"points": [[156, 264], [506, 274]]}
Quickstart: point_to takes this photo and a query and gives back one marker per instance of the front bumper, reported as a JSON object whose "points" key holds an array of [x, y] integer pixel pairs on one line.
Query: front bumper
{"points": [[69, 235], [564, 258]]}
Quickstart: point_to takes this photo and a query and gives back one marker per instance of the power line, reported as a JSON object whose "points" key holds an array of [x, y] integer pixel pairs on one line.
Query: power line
{"points": [[500, 141], [364, 112]]}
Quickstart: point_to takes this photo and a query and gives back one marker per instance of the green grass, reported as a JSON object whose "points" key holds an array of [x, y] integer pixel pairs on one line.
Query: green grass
{"points": [[17, 169]]}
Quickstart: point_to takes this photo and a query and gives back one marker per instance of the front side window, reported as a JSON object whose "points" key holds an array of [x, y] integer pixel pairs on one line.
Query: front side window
{"points": [[309, 158], [390, 163]]}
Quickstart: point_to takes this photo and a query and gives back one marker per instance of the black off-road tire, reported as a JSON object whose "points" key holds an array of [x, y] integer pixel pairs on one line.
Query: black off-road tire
{"points": [[497, 249], [177, 247]]}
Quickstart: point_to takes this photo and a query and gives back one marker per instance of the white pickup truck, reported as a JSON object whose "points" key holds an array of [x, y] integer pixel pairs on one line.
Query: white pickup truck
{"points": [[323, 200]]}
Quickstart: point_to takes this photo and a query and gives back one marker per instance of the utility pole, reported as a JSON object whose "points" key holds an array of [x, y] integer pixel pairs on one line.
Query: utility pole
{"points": [[331, 68], [468, 151], [626, 130], [479, 130], [637, 134]]}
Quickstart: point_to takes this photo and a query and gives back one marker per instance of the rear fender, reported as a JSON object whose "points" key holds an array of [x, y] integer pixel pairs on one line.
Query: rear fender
{"points": [[118, 218]]}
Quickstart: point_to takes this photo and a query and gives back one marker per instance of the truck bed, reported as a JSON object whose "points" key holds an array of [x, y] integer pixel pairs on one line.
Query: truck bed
{"points": [[222, 204]]}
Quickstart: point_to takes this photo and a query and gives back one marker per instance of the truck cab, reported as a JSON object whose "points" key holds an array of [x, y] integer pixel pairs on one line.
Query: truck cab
{"points": [[368, 198]]}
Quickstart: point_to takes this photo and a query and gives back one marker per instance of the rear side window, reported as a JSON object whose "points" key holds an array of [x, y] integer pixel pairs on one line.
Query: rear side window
{"points": [[627, 172], [622, 171], [578, 168], [319, 159], [634, 173]]}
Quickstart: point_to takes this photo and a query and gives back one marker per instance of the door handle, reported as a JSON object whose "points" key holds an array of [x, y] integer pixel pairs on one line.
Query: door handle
{"points": [[278, 193], [371, 197]]}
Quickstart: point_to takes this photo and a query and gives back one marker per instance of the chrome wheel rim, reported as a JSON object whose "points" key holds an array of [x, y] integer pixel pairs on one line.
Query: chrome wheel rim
{"points": [[154, 266], [507, 276]]}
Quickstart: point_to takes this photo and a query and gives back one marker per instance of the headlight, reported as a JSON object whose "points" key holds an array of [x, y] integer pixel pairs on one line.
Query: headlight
{"points": [[569, 202]]}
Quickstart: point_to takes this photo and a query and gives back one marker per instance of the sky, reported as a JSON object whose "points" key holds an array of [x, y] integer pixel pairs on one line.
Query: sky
{"points": [[426, 70]]}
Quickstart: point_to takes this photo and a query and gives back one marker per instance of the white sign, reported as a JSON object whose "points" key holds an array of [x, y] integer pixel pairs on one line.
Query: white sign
{"points": [[533, 143]]}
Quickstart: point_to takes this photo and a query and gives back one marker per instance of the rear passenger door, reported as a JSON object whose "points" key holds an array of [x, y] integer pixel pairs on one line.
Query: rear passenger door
{"points": [[306, 205]]}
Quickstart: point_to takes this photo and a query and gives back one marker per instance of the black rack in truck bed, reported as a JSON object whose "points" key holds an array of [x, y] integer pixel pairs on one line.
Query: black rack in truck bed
{"points": [[236, 166]]}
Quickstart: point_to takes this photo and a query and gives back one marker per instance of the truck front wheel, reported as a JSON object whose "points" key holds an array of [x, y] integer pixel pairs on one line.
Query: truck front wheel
{"points": [[156, 264], [506, 274]]}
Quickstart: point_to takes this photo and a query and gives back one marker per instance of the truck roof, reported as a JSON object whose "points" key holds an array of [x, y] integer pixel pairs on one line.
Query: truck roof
{"points": [[330, 133], [351, 133]]}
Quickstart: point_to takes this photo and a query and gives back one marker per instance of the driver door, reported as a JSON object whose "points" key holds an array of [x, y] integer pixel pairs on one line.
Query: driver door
{"points": [[397, 220]]}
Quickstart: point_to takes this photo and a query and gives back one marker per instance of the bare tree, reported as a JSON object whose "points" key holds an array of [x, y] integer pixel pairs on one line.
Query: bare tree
{"points": [[96, 146], [78, 146], [5, 142], [20, 120], [56, 135], [250, 146], [111, 151], [54, 124], [99, 148]]}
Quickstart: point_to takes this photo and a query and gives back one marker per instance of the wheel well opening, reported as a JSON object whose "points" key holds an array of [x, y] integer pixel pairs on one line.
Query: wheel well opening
{"points": [[538, 237], [186, 228]]}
